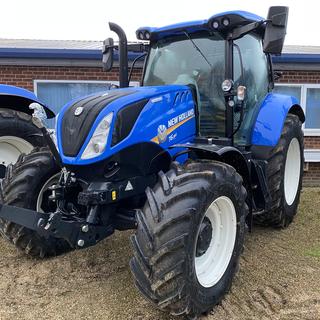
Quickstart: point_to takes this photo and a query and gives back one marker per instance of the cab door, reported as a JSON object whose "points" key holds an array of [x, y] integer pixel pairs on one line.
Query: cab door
{"points": [[251, 69]]}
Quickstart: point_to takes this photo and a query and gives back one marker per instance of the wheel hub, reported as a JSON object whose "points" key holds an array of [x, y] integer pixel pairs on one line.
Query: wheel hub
{"points": [[204, 238], [220, 226], [10, 149], [292, 171]]}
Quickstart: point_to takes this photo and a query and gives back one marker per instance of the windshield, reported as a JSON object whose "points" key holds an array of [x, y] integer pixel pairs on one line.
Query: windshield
{"points": [[199, 62]]}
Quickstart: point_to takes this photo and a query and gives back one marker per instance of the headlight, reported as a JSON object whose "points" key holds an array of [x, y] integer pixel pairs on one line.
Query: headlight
{"points": [[147, 35], [227, 85], [98, 141]]}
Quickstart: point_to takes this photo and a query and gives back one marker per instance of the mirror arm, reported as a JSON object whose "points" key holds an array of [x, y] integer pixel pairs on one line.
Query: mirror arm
{"points": [[133, 63], [106, 47], [241, 31], [277, 75]]}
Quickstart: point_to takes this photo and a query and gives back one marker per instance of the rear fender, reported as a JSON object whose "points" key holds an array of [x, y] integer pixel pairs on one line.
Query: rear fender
{"points": [[19, 99], [271, 117]]}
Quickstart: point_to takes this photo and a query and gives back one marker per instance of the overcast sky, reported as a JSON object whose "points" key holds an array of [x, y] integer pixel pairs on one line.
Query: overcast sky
{"points": [[87, 20]]}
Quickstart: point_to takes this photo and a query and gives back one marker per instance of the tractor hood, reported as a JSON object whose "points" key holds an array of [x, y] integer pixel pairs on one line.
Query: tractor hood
{"points": [[79, 120]]}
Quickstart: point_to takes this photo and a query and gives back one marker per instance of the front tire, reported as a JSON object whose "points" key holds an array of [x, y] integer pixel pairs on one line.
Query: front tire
{"points": [[193, 210], [26, 185]]}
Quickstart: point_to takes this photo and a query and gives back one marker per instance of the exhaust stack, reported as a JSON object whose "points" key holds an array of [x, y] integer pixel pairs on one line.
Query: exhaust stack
{"points": [[123, 54]]}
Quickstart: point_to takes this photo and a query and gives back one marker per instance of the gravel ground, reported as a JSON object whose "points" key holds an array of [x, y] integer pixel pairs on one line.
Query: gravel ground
{"points": [[279, 278]]}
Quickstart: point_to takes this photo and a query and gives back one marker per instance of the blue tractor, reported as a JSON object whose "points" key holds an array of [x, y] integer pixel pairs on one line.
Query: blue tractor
{"points": [[189, 159]]}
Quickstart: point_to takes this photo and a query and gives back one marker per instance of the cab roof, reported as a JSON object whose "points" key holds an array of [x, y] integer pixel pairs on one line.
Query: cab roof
{"points": [[236, 18]]}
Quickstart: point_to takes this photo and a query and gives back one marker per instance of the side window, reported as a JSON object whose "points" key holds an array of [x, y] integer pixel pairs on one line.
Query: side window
{"points": [[254, 75], [255, 67]]}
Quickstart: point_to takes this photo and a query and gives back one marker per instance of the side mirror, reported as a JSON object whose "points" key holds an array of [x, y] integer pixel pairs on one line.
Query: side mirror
{"points": [[107, 54], [275, 30]]}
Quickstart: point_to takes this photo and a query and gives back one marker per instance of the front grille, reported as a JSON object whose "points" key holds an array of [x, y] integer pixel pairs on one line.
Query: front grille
{"points": [[75, 129]]}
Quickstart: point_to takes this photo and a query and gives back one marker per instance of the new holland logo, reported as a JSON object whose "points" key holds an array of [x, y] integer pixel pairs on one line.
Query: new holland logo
{"points": [[78, 111], [162, 133], [173, 124]]}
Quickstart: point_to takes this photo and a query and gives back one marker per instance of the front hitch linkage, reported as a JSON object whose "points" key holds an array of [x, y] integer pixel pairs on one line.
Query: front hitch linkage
{"points": [[77, 232]]}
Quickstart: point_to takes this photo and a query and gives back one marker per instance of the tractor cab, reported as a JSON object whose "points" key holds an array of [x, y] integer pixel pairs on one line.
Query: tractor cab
{"points": [[225, 60], [226, 63]]}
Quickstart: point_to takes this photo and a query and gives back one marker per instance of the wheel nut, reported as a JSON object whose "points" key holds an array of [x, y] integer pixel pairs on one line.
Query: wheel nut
{"points": [[80, 243], [85, 228]]}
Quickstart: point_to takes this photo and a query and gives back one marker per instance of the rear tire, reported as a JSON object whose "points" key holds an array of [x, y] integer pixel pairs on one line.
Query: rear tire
{"points": [[173, 265], [18, 135], [284, 175], [21, 188]]}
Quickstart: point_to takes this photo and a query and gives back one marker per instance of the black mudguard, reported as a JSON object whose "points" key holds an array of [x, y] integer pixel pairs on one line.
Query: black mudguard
{"points": [[19, 99], [227, 154]]}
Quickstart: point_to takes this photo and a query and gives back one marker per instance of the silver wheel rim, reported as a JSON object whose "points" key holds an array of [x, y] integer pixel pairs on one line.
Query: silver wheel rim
{"points": [[211, 266], [11, 147], [50, 182], [292, 171]]}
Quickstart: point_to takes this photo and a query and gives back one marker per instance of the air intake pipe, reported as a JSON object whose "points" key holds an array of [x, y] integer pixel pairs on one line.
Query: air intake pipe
{"points": [[123, 54]]}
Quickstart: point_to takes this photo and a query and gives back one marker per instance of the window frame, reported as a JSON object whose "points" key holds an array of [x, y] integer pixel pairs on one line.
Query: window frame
{"points": [[303, 102], [311, 155], [115, 82]]}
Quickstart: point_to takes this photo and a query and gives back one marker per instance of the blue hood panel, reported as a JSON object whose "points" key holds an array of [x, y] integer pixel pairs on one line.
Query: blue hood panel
{"points": [[167, 118]]}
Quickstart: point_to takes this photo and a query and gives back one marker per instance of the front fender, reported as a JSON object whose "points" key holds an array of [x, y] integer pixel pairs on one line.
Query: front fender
{"points": [[271, 117], [19, 99], [226, 154]]}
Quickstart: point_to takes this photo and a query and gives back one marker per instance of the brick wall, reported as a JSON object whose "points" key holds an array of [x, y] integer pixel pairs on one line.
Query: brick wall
{"points": [[312, 170], [312, 175], [300, 77], [312, 142], [23, 76]]}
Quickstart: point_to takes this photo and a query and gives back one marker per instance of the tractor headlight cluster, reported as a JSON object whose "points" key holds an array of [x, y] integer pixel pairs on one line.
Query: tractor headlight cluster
{"points": [[220, 24], [215, 24], [98, 141], [225, 22], [143, 35]]}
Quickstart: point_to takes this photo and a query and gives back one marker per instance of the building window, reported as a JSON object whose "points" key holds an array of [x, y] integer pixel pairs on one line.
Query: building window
{"points": [[291, 90], [308, 96], [56, 93], [312, 108]]}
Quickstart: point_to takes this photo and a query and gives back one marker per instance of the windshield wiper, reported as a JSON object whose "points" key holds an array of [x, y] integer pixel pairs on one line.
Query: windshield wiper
{"points": [[197, 48]]}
